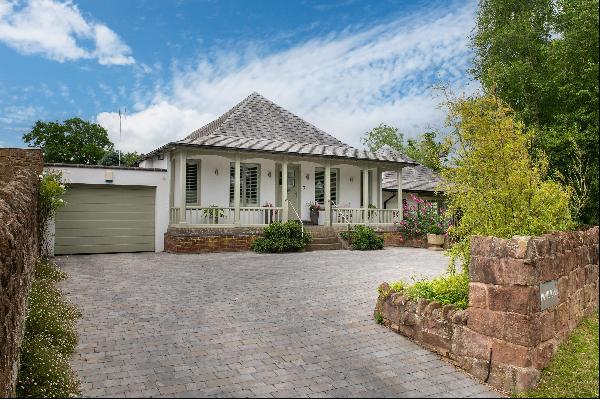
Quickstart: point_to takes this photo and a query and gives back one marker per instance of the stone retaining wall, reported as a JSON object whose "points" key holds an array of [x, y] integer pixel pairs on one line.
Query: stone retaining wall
{"points": [[19, 181], [507, 319]]}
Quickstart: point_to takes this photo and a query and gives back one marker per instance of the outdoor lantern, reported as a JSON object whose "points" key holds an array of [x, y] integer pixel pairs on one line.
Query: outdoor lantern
{"points": [[217, 172], [351, 179], [269, 173], [307, 176]]}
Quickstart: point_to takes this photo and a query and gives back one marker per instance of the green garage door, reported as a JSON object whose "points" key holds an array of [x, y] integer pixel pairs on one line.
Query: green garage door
{"points": [[100, 219]]}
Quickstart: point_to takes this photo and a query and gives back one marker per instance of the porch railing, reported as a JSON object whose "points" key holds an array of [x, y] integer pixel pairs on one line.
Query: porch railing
{"points": [[362, 216], [249, 216]]}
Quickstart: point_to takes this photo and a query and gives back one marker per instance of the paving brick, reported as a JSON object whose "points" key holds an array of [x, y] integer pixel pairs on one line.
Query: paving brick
{"points": [[244, 325]]}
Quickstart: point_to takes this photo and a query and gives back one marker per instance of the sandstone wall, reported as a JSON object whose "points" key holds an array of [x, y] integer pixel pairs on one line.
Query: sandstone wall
{"points": [[19, 181], [202, 240], [507, 321]]}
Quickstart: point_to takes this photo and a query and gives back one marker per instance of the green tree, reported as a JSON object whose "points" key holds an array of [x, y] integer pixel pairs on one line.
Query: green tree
{"points": [[424, 149], [111, 158], [74, 141], [541, 57], [383, 135], [498, 187]]}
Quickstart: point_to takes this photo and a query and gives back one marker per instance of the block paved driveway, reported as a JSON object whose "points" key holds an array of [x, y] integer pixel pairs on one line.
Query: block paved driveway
{"points": [[243, 324]]}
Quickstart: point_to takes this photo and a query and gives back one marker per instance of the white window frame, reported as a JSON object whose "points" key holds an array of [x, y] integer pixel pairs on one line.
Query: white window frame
{"points": [[243, 189]]}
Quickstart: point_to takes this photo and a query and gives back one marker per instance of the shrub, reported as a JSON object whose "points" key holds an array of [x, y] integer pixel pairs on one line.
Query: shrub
{"points": [[50, 338], [365, 239], [282, 237], [49, 200], [448, 289], [421, 218]]}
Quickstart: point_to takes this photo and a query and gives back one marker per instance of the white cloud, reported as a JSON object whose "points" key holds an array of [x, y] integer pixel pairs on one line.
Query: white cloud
{"points": [[345, 84], [57, 30]]}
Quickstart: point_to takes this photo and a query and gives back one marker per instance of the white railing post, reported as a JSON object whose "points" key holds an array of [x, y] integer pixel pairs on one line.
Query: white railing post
{"points": [[400, 203], [365, 194], [284, 189], [327, 195], [236, 189], [182, 191]]}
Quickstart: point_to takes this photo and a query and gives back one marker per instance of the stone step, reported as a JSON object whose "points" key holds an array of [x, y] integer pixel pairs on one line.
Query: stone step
{"points": [[323, 247], [325, 240]]}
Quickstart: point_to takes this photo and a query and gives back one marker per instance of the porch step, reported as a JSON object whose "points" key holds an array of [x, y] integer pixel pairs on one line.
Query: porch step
{"points": [[324, 238]]}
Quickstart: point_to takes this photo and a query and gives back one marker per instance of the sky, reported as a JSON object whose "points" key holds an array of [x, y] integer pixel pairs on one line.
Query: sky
{"points": [[346, 66]]}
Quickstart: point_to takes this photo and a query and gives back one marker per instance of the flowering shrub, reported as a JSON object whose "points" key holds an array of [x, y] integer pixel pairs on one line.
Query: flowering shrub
{"points": [[50, 338], [422, 218], [52, 189]]}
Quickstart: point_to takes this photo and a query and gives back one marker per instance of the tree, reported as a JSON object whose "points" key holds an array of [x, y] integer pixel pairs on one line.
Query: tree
{"points": [[383, 135], [111, 158], [424, 149], [541, 57], [74, 141], [427, 151], [499, 188]]}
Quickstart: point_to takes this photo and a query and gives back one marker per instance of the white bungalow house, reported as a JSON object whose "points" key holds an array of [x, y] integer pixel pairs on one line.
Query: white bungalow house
{"points": [[229, 172]]}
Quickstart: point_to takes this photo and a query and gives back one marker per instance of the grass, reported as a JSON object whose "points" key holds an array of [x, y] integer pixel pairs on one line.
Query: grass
{"points": [[573, 372], [50, 338]]}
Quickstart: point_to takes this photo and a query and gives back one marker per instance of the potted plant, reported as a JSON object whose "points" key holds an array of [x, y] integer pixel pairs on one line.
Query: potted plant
{"points": [[314, 209], [213, 213], [269, 214]]}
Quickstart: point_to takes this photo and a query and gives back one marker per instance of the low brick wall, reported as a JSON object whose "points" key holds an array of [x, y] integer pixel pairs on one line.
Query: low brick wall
{"points": [[202, 240], [507, 319], [19, 171]]}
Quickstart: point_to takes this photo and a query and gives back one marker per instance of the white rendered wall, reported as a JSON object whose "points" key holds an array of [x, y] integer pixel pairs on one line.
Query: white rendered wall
{"points": [[126, 177]]}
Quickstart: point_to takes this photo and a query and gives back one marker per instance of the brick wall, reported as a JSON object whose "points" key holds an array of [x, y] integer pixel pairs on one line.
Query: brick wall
{"points": [[202, 240], [19, 171], [505, 317]]}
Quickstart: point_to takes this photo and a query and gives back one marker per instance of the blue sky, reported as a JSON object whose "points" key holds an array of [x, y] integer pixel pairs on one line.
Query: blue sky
{"points": [[345, 66]]}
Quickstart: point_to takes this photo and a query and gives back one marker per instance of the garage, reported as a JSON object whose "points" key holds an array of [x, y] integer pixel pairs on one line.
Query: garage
{"points": [[106, 218]]}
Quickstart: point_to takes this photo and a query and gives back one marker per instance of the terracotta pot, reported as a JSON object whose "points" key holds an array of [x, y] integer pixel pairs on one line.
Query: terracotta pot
{"points": [[435, 241]]}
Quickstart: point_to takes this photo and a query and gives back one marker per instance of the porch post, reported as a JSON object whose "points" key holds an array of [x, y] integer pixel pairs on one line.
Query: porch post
{"points": [[379, 190], [365, 194], [327, 195], [284, 189], [182, 175], [236, 189], [400, 204]]}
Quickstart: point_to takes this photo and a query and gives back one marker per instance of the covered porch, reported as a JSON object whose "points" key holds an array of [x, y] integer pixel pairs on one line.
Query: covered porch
{"points": [[229, 188]]}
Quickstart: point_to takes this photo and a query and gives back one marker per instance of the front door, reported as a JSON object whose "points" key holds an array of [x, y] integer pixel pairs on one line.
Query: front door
{"points": [[293, 191], [293, 181]]}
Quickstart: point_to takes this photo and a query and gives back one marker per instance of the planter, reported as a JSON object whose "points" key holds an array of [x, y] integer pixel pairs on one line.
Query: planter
{"points": [[435, 241], [314, 218]]}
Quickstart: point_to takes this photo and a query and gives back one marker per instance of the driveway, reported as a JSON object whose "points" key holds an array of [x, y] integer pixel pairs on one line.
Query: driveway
{"points": [[244, 324]]}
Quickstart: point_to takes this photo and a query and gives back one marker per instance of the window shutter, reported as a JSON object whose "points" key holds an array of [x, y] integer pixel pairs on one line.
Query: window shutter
{"points": [[251, 185], [320, 185], [191, 183]]}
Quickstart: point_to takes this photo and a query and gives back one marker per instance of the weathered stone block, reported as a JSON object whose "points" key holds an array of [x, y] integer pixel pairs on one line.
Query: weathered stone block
{"points": [[478, 295], [514, 298]]}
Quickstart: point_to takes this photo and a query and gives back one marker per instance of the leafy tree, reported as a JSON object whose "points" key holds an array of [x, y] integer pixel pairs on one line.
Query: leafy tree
{"points": [[74, 141], [383, 135], [541, 57], [111, 158], [499, 188], [424, 149]]}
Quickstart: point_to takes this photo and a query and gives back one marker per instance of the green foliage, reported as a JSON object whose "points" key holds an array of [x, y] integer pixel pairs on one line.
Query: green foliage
{"points": [[422, 217], [573, 372], [448, 289], [50, 338], [493, 183], [541, 57], [111, 158], [365, 239], [213, 211], [50, 199], [74, 141], [379, 318], [425, 149], [282, 237], [383, 135]]}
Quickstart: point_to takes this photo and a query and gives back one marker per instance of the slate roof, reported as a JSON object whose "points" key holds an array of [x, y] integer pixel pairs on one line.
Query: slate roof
{"points": [[414, 178], [258, 124]]}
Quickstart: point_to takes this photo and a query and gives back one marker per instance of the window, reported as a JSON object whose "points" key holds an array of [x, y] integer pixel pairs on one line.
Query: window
{"points": [[320, 185], [249, 184], [191, 183]]}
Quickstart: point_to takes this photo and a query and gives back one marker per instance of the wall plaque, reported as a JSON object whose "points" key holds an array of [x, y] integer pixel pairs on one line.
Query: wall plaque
{"points": [[548, 294]]}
